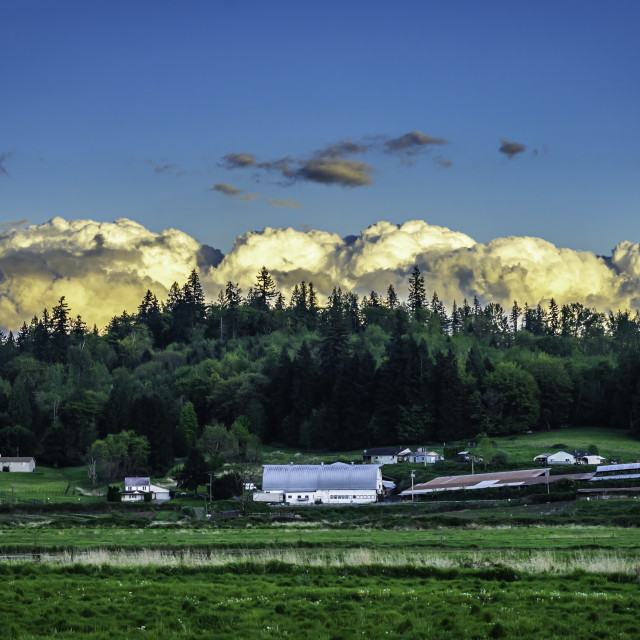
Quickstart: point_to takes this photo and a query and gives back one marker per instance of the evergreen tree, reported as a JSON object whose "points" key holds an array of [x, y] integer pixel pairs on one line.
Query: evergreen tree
{"points": [[417, 295], [392, 298]]}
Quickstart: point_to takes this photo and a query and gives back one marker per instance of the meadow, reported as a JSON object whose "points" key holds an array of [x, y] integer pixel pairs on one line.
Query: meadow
{"points": [[72, 565]]}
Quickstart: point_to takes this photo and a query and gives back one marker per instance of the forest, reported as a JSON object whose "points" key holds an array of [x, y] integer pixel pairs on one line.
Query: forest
{"points": [[182, 377]]}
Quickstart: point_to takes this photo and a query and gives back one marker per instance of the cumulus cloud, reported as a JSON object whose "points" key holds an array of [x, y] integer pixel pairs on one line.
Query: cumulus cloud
{"points": [[104, 268], [347, 173], [510, 149], [234, 192], [341, 148], [287, 203], [101, 268], [524, 268]]}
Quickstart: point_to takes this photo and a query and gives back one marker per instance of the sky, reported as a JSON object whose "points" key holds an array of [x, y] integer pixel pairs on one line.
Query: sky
{"points": [[220, 119]]}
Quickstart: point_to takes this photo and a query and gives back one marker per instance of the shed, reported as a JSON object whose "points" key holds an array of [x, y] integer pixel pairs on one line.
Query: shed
{"points": [[17, 464]]}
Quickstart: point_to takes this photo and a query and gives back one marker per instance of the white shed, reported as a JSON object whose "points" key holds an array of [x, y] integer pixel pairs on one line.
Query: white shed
{"points": [[17, 464]]}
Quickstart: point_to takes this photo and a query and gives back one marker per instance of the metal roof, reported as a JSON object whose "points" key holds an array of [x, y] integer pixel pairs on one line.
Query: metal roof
{"points": [[385, 451], [137, 482], [15, 459], [313, 477], [477, 481], [632, 466]]}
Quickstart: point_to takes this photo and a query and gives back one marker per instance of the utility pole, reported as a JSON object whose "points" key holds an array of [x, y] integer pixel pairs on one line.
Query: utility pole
{"points": [[413, 475]]}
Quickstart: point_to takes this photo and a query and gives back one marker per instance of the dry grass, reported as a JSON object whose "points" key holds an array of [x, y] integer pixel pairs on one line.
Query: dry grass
{"points": [[535, 562]]}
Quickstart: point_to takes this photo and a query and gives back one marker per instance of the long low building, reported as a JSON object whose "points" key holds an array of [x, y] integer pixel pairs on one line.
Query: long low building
{"points": [[478, 481], [629, 471], [305, 484]]}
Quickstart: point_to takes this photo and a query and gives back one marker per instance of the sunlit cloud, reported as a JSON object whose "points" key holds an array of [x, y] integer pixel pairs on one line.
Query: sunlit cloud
{"points": [[105, 268]]}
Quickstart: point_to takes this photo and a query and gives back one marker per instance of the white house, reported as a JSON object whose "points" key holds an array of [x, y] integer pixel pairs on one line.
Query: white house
{"points": [[385, 455], [17, 464], [424, 457], [305, 484], [568, 457], [135, 488]]}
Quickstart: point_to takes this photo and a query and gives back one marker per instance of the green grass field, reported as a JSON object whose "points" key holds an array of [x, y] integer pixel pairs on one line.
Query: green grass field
{"points": [[469, 571]]}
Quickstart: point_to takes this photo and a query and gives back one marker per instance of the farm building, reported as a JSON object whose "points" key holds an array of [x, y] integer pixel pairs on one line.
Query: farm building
{"points": [[617, 472], [305, 484], [568, 457], [476, 481], [135, 489], [17, 464], [386, 455]]}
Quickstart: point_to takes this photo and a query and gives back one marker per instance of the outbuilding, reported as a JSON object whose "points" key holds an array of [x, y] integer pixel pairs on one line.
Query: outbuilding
{"points": [[17, 464]]}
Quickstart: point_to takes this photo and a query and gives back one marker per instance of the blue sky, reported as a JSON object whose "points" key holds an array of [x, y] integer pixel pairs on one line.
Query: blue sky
{"points": [[121, 109]]}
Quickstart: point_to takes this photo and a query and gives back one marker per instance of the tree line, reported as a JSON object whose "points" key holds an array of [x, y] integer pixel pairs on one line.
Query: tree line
{"points": [[343, 373]]}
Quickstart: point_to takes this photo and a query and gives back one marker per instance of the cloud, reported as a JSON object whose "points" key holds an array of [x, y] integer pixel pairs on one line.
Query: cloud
{"points": [[443, 162], [10, 224], [347, 173], [330, 164], [505, 269], [288, 203], [238, 160], [341, 148], [3, 158], [101, 268], [412, 143], [104, 268], [234, 192], [510, 149], [164, 166]]}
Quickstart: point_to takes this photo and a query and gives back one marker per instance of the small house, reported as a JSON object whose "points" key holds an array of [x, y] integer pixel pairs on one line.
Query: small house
{"points": [[385, 455], [568, 457], [135, 489], [17, 464], [424, 457]]}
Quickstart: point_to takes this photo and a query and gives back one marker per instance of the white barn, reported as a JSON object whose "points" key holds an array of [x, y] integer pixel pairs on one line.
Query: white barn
{"points": [[17, 464], [305, 484]]}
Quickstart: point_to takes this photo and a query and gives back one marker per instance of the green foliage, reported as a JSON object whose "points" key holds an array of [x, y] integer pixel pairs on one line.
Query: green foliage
{"points": [[119, 455]]}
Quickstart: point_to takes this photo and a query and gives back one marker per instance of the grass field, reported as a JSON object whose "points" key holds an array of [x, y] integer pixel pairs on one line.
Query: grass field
{"points": [[279, 600], [74, 566]]}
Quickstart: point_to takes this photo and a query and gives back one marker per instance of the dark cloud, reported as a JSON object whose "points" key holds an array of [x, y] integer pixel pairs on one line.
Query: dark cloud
{"points": [[234, 192], [412, 143], [347, 173], [238, 160], [330, 165], [3, 157], [510, 149], [287, 203], [209, 256], [226, 189]]}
